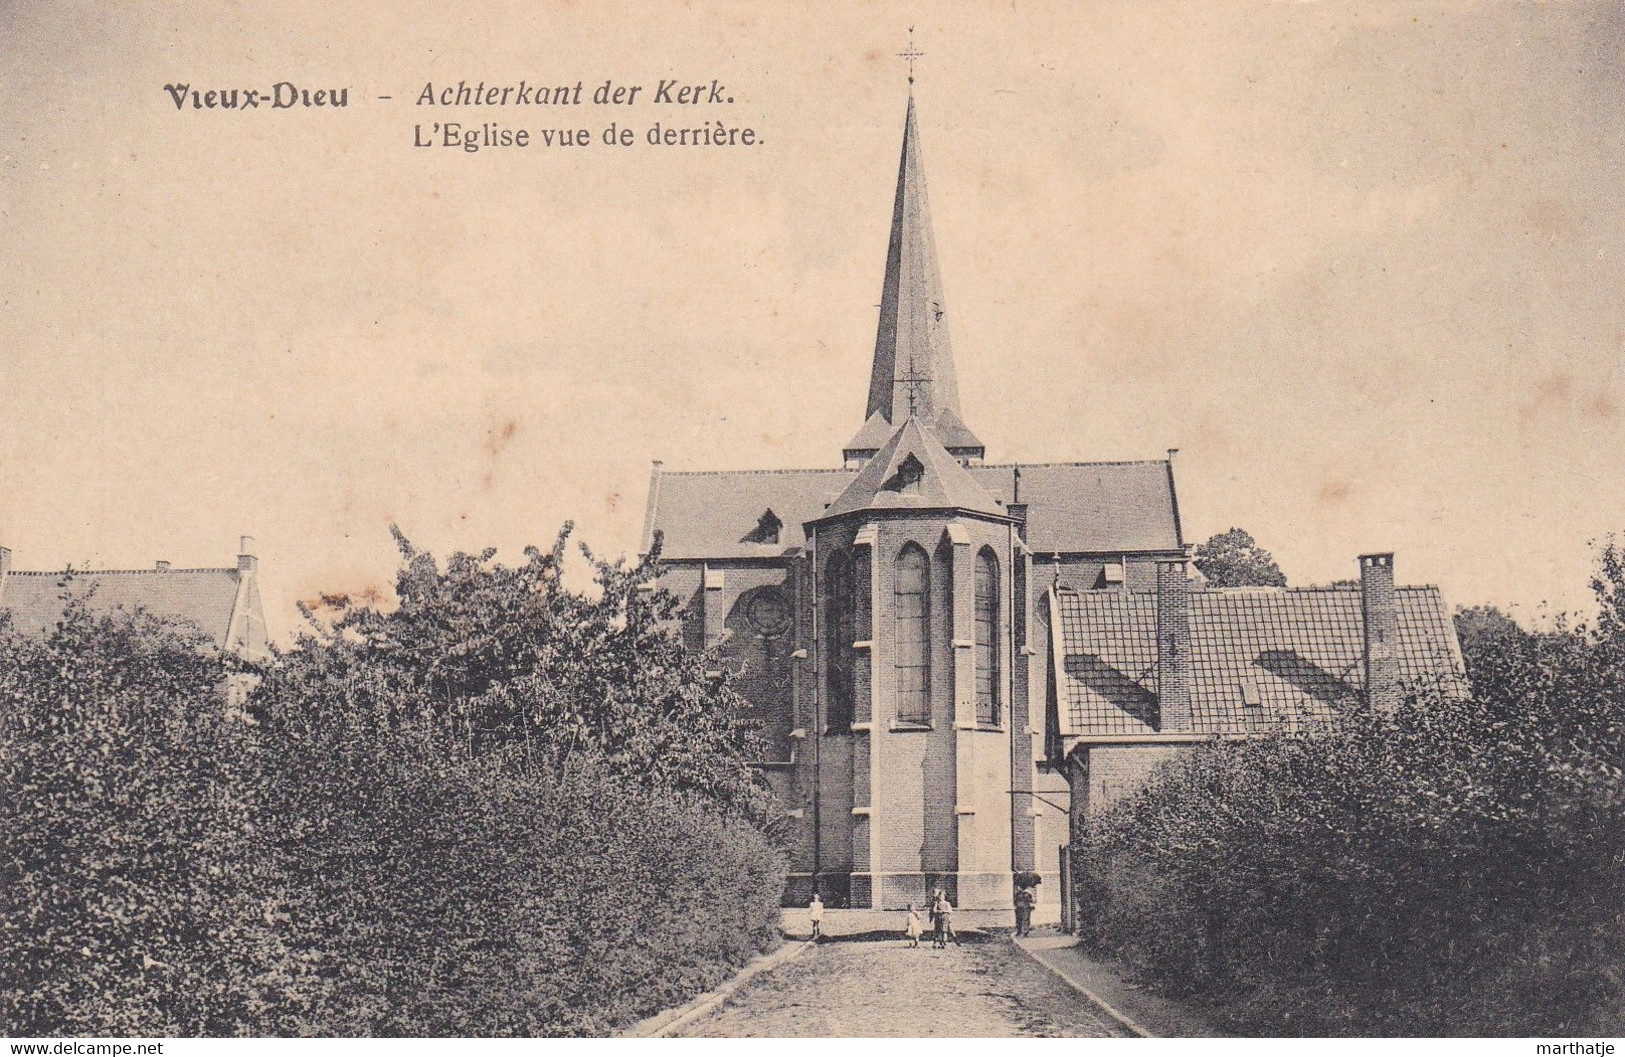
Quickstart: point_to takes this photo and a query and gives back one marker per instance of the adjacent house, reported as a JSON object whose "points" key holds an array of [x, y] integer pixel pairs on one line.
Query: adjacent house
{"points": [[223, 602]]}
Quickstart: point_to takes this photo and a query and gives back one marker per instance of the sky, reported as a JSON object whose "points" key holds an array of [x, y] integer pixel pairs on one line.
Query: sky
{"points": [[1360, 263]]}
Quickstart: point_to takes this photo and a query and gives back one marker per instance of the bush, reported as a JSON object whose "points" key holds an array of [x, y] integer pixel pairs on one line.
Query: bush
{"points": [[128, 888], [502, 808], [444, 894], [1451, 869]]}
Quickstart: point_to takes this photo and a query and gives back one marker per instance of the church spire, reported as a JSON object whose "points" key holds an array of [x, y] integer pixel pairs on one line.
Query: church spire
{"points": [[913, 374]]}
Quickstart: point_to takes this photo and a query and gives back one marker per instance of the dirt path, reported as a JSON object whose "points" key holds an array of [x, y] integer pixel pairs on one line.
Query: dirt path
{"points": [[860, 989]]}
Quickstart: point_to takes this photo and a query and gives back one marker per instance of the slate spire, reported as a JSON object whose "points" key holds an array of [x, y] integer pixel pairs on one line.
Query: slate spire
{"points": [[913, 373]]}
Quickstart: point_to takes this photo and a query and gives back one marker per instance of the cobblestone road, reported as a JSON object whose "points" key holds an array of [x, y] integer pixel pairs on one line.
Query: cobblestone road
{"points": [[860, 989]]}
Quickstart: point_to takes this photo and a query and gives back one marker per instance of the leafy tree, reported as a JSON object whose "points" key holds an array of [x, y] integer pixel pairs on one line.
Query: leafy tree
{"points": [[1608, 587], [513, 662], [1485, 632], [502, 807], [1234, 559], [513, 807]]}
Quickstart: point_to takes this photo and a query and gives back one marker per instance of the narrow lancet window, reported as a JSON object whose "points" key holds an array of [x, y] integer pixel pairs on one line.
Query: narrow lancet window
{"points": [[911, 596], [840, 612], [987, 638]]}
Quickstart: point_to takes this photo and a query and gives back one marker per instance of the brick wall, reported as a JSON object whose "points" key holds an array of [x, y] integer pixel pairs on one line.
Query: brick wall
{"points": [[1117, 771]]}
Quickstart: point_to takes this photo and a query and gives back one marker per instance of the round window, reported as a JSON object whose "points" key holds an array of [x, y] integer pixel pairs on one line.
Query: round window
{"points": [[768, 613]]}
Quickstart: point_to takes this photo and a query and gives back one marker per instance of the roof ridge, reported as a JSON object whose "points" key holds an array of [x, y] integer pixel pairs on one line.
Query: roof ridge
{"points": [[735, 473], [1219, 592], [121, 572], [1325, 587], [1047, 465]]}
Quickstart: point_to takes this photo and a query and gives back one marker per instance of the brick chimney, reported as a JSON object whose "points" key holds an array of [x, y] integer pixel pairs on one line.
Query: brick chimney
{"points": [[161, 566], [1018, 514], [5, 567], [1174, 645], [246, 562], [1381, 622]]}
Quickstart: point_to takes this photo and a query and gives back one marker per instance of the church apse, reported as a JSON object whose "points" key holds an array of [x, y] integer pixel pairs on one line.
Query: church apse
{"points": [[899, 695]]}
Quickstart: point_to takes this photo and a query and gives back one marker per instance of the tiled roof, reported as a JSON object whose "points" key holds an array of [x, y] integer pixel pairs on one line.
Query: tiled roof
{"points": [[709, 515], [1092, 506], [940, 483], [1109, 507], [1300, 651], [202, 597]]}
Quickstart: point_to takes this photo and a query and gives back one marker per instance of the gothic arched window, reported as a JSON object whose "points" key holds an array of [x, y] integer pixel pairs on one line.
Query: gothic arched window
{"points": [[840, 608], [911, 597], [987, 637]]}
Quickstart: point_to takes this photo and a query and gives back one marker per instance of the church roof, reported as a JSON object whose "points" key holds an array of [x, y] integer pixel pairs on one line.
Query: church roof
{"points": [[913, 372], [913, 471], [708, 515], [1108, 507], [1298, 652], [207, 599], [872, 436]]}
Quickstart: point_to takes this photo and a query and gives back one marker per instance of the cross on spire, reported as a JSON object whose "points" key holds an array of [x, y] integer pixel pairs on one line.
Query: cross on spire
{"points": [[910, 55], [913, 373], [912, 383]]}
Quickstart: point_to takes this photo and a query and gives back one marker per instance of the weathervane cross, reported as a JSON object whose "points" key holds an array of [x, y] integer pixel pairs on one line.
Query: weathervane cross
{"points": [[913, 383], [909, 54]]}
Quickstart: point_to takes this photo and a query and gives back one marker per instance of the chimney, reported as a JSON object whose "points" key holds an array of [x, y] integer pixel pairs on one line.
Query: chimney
{"points": [[1174, 644], [161, 565], [5, 566], [246, 562], [1381, 622], [1018, 514]]}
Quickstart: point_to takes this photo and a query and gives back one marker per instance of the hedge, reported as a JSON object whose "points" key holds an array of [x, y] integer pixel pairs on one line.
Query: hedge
{"points": [[1454, 868], [501, 808]]}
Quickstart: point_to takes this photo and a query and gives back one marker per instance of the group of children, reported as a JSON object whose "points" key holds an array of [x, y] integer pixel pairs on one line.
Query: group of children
{"points": [[942, 923]]}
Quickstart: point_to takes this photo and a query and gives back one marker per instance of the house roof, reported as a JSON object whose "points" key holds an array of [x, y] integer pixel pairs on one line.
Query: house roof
{"points": [[1300, 651], [913, 471], [1111, 507], [204, 598]]}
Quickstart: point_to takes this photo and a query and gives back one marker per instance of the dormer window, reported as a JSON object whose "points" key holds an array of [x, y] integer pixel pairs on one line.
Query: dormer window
{"points": [[906, 480], [767, 529]]}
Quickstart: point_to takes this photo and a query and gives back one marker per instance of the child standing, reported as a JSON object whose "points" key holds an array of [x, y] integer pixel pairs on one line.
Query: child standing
{"points": [[815, 911], [914, 927], [943, 911]]}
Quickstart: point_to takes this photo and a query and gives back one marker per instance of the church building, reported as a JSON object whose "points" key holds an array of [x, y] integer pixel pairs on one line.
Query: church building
{"points": [[955, 661]]}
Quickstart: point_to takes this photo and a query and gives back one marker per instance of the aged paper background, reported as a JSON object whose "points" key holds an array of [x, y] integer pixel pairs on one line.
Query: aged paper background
{"points": [[1359, 262]]}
